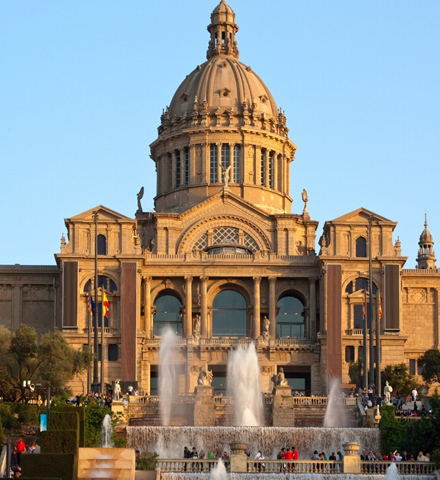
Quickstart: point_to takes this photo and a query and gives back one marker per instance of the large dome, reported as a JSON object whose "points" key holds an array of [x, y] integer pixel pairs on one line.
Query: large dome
{"points": [[223, 90], [224, 83], [222, 132]]}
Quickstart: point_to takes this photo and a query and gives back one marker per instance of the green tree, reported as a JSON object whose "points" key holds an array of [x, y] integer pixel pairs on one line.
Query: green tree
{"points": [[399, 378], [355, 371], [430, 362], [25, 362], [391, 429]]}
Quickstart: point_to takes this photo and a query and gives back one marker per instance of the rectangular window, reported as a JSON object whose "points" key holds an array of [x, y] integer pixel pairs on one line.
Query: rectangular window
{"points": [[226, 158], [271, 169], [412, 367], [112, 353], [213, 164], [263, 166], [178, 168], [186, 165], [358, 316], [349, 354], [237, 164]]}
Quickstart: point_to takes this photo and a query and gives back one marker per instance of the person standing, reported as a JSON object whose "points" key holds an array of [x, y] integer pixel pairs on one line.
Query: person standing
{"points": [[20, 448], [414, 394]]}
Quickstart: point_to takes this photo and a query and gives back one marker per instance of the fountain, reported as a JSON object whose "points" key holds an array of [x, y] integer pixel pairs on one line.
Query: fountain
{"points": [[392, 473], [107, 433], [336, 412], [243, 375], [106, 462], [167, 373], [219, 472]]}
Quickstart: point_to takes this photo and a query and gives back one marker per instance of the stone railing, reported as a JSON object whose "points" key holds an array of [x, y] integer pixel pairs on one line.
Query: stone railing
{"points": [[294, 466], [403, 468], [189, 465]]}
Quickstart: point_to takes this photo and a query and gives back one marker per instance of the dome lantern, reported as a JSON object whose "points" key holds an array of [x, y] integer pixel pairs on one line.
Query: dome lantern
{"points": [[222, 30]]}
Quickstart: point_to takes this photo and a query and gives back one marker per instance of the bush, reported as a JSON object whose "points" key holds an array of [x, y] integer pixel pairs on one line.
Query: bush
{"points": [[147, 461]]}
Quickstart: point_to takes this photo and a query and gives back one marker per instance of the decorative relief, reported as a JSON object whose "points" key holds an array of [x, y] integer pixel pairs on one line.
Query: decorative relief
{"points": [[418, 296]]}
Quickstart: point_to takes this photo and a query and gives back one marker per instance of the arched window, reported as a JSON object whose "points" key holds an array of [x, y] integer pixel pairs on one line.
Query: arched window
{"points": [[361, 247], [168, 313], [102, 245], [291, 318], [229, 315]]}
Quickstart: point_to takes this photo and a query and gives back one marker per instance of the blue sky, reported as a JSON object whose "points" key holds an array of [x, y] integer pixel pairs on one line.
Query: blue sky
{"points": [[83, 85]]}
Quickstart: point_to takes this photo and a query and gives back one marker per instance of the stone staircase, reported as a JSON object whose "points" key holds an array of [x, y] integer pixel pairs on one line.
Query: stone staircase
{"points": [[106, 463]]}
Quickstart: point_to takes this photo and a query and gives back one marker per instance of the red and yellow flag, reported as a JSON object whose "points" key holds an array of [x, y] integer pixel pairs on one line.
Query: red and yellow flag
{"points": [[380, 306], [90, 305], [105, 304], [364, 305]]}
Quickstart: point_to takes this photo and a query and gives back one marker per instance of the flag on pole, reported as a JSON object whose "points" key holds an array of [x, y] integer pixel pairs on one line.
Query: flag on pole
{"points": [[90, 305], [380, 306], [105, 304], [364, 305]]}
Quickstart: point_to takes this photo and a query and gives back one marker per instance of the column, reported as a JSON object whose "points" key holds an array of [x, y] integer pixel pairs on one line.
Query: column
{"points": [[272, 307], [148, 327], [204, 305], [311, 333], [187, 327], [256, 319]]}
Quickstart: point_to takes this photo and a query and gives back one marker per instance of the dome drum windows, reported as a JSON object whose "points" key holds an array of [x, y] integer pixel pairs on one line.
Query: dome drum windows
{"points": [[230, 160]]}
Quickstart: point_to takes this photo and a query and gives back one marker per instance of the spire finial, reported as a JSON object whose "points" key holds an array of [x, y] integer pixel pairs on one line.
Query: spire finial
{"points": [[222, 30]]}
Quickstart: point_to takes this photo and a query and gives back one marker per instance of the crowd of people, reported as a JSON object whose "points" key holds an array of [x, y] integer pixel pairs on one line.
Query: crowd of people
{"points": [[370, 455]]}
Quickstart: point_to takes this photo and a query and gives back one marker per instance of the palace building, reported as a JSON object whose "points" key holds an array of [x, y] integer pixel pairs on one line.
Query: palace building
{"points": [[223, 261]]}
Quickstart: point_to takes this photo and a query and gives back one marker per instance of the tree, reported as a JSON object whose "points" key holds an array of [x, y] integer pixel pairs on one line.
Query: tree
{"points": [[25, 362], [399, 378], [355, 372], [430, 362]]}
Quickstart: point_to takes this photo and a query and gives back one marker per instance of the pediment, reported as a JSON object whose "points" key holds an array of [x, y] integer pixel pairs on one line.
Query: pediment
{"points": [[361, 216], [104, 215]]}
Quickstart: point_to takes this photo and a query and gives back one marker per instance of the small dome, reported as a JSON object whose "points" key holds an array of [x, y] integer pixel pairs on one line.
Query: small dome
{"points": [[425, 236]]}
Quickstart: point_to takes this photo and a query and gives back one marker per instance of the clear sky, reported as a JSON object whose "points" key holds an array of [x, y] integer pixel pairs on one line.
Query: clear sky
{"points": [[83, 84]]}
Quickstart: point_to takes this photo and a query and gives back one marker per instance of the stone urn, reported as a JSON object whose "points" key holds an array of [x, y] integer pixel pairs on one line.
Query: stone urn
{"points": [[351, 448], [238, 447]]}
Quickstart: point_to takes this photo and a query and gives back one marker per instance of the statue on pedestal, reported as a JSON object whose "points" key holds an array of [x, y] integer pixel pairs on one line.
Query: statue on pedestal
{"points": [[387, 392], [205, 377], [280, 379]]}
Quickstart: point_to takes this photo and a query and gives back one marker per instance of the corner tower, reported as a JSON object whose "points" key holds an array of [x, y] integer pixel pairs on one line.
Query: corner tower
{"points": [[426, 257], [222, 130]]}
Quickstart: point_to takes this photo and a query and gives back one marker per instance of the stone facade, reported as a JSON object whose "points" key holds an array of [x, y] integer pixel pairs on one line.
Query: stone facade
{"points": [[222, 259]]}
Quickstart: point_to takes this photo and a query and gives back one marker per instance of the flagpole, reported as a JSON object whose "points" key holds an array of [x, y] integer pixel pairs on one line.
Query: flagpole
{"points": [[378, 359], [370, 312], [364, 351], [102, 339], [89, 337], [95, 385]]}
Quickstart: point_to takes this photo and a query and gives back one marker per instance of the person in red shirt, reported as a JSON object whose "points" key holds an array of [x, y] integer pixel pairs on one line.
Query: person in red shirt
{"points": [[20, 447], [295, 453], [289, 456]]}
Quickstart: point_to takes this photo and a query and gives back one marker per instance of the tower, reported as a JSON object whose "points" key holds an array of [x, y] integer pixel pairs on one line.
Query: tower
{"points": [[426, 257]]}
